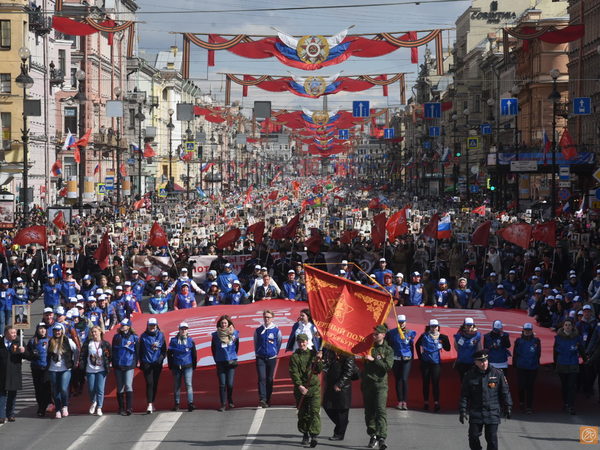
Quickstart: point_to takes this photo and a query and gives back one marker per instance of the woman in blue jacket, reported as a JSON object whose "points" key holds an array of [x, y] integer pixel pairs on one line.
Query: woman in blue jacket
{"points": [[466, 342], [125, 345], [159, 303], [568, 346], [152, 352], [267, 342], [225, 345], [37, 353], [526, 359], [181, 354], [304, 325], [497, 344], [429, 347], [403, 357]]}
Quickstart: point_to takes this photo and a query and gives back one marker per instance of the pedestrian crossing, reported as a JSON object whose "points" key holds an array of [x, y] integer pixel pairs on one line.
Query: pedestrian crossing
{"points": [[26, 396]]}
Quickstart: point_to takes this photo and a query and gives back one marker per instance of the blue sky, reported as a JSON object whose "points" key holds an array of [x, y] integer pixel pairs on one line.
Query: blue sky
{"points": [[180, 15]]}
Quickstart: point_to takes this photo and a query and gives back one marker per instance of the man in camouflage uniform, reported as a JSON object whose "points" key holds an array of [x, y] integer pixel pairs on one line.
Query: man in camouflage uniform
{"points": [[374, 387], [305, 366]]}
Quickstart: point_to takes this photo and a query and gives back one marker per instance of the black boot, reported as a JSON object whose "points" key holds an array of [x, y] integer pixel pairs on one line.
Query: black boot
{"points": [[313, 442], [305, 439], [128, 403], [120, 400]]}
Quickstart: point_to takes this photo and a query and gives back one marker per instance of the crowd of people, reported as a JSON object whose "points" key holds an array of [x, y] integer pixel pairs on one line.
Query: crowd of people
{"points": [[558, 287]]}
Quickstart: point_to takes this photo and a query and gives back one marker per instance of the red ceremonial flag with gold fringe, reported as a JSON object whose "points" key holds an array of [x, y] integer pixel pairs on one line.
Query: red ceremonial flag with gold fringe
{"points": [[345, 312]]}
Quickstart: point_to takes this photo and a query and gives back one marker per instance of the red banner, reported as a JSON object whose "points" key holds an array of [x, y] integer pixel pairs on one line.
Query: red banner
{"points": [[396, 225], [345, 312], [378, 229], [102, 252], [545, 232], [229, 238], [158, 237], [481, 236], [518, 233], [31, 235]]}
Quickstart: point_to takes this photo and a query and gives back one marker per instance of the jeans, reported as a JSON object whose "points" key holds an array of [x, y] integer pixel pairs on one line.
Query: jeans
{"points": [[401, 370], [41, 384], [60, 388], [186, 373], [5, 319], [124, 380], [431, 374], [96, 382], [526, 379], [225, 373], [491, 435], [568, 382], [265, 369], [7, 404], [152, 375]]}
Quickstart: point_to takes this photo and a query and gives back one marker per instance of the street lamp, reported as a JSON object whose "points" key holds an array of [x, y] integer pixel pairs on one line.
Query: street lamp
{"points": [[189, 137], [118, 92], [24, 81], [555, 97], [515, 91], [80, 76], [140, 118], [466, 113], [170, 126]]}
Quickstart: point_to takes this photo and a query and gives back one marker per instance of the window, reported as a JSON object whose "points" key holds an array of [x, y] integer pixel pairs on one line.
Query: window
{"points": [[4, 34], [70, 120], [477, 103], [165, 170], [73, 78], [5, 83], [62, 62], [5, 123], [132, 118]]}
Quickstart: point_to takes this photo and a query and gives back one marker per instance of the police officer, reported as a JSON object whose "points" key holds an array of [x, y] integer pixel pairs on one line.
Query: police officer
{"points": [[305, 366], [484, 397], [374, 386]]}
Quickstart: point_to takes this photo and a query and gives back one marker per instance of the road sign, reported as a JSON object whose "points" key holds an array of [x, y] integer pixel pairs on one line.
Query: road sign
{"points": [[564, 194], [509, 106], [595, 204], [162, 192], [486, 128], [427, 145], [110, 183], [101, 189], [435, 131], [564, 184], [344, 134], [582, 106], [360, 108], [474, 188], [596, 174], [564, 174], [433, 110], [598, 194], [473, 143], [388, 133], [190, 146], [523, 166]]}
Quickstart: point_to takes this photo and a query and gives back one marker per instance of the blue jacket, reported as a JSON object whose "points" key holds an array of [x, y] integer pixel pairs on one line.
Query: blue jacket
{"points": [[6, 300], [213, 299], [152, 348], [567, 349], [181, 354], [56, 270], [429, 349], [527, 352], [442, 298], [87, 291], [463, 296], [68, 289], [94, 315], [403, 348], [235, 298], [379, 274], [184, 301], [158, 305], [225, 281], [291, 289], [38, 352], [466, 346], [51, 295], [415, 294], [125, 350], [497, 347], [137, 287], [225, 352], [267, 342], [21, 296], [496, 301]]}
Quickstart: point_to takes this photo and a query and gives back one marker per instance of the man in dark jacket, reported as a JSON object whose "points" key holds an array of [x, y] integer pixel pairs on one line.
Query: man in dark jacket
{"points": [[11, 355], [338, 390], [484, 396]]}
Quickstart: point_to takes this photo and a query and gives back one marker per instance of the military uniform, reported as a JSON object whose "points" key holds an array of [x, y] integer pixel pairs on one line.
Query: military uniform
{"points": [[304, 371], [374, 386]]}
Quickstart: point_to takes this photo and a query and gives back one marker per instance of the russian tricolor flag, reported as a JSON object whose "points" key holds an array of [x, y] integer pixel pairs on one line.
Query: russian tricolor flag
{"points": [[69, 141], [445, 227]]}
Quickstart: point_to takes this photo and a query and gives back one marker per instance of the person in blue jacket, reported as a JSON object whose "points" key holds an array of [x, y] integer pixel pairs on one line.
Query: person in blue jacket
{"points": [[37, 353], [568, 347], [488, 292], [237, 295], [429, 347], [497, 344], [88, 286], [184, 299], [304, 325], [138, 285], [403, 356], [225, 279], [51, 292], [158, 303], [415, 291], [69, 287], [181, 354], [152, 351], [466, 342], [526, 359], [442, 296], [267, 342], [382, 270], [213, 295], [21, 293], [6, 301], [225, 345], [125, 352], [55, 268], [463, 295], [291, 287], [500, 299]]}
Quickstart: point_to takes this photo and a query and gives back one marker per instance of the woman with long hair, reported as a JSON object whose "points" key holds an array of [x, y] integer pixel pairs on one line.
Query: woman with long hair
{"points": [[37, 353], [153, 349], [429, 347], [95, 360], [568, 347], [225, 345], [125, 345], [62, 354], [304, 325]]}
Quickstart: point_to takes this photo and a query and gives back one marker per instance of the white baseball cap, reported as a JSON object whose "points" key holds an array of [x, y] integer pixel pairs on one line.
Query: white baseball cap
{"points": [[183, 325], [152, 321], [469, 321], [433, 322], [48, 310], [527, 326], [125, 322], [344, 262], [401, 318], [497, 325]]}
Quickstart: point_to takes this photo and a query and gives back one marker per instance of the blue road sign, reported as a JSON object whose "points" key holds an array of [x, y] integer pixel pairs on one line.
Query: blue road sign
{"points": [[598, 193], [427, 145], [433, 110], [435, 131], [344, 134], [582, 106], [110, 183], [509, 106], [388, 133], [360, 108], [486, 128], [474, 188]]}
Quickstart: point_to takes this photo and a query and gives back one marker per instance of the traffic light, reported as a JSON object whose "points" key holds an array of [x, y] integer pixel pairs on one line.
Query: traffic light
{"points": [[489, 184], [457, 150]]}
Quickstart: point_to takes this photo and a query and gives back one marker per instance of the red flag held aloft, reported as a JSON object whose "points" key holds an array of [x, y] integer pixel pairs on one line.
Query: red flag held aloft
{"points": [[149, 151], [396, 225], [313, 243], [545, 232], [103, 252], [31, 235], [481, 235], [59, 221], [287, 231], [432, 227], [273, 195], [229, 238], [257, 230], [517, 233], [479, 210], [158, 237], [378, 229], [348, 235], [83, 141], [567, 147]]}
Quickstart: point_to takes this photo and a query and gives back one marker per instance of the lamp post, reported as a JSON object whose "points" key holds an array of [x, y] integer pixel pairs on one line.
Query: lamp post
{"points": [[24, 81], [170, 127], [213, 146], [80, 76], [555, 97], [140, 118], [515, 91], [491, 102], [118, 93], [454, 118], [466, 113], [188, 133]]}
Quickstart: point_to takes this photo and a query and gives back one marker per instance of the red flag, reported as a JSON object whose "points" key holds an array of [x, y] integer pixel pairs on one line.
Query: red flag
{"points": [[345, 312], [296, 188], [229, 238], [158, 237], [57, 168], [481, 236], [97, 169], [248, 198], [283, 199], [31, 235], [396, 224], [479, 210], [77, 155], [102, 252], [287, 231], [63, 192], [257, 230], [59, 221], [348, 236], [313, 243], [83, 140], [378, 229], [374, 203], [139, 204], [149, 151], [432, 227], [273, 195], [517, 233], [123, 170], [545, 232], [567, 147]]}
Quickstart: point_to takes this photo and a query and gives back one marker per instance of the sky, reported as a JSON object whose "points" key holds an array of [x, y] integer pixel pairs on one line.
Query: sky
{"points": [[158, 21]]}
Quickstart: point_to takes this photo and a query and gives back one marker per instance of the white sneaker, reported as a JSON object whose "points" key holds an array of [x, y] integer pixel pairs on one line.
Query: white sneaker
{"points": [[65, 412], [58, 415], [99, 412], [93, 407], [149, 409]]}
